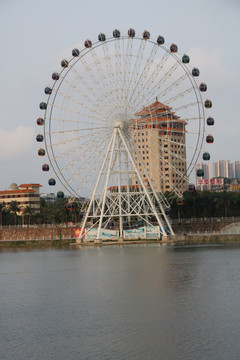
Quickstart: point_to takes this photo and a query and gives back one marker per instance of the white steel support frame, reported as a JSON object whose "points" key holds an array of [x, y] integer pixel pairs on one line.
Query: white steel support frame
{"points": [[110, 206]]}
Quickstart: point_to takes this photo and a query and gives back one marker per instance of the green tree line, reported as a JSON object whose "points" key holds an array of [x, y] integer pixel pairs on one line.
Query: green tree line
{"points": [[207, 204], [50, 213], [196, 204]]}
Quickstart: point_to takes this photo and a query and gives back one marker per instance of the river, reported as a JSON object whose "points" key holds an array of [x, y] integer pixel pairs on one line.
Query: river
{"points": [[132, 302]]}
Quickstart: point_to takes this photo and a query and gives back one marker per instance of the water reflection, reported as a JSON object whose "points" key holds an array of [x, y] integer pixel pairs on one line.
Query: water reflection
{"points": [[131, 302]]}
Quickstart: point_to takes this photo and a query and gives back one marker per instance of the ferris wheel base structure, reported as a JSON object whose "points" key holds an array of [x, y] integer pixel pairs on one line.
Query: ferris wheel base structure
{"points": [[121, 240], [110, 204]]}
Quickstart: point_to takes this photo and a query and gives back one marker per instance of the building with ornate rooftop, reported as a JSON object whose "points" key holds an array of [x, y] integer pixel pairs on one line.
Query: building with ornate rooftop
{"points": [[159, 136]]}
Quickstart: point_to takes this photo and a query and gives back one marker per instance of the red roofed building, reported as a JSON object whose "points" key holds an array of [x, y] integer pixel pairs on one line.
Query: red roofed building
{"points": [[159, 136], [24, 194]]}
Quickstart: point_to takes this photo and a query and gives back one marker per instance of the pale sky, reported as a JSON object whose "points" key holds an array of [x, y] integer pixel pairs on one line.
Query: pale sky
{"points": [[36, 35]]}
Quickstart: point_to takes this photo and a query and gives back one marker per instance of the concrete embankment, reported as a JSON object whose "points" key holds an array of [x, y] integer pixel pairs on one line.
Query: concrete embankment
{"points": [[203, 239], [33, 233], [186, 234], [174, 241], [35, 243]]}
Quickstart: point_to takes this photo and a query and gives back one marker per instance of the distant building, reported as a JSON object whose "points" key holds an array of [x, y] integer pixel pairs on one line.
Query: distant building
{"points": [[24, 194], [226, 169], [51, 197], [235, 169], [221, 168]]}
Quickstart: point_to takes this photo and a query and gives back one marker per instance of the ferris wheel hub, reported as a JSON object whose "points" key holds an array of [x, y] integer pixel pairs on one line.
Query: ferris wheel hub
{"points": [[119, 124], [120, 121]]}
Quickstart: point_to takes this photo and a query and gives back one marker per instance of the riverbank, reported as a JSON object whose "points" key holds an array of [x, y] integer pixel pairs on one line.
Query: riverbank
{"points": [[182, 240]]}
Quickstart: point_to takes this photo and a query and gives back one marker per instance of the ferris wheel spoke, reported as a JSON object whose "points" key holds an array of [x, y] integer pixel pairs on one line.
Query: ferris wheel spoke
{"points": [[66, 141], [92, 132], [78, 122], [150, 78], [180, 95], [118, 68], [90, 87], [74, 160], [173, 85], [126, 69], [81, 104], [77, 130], [84, 164], [97, 82], [159, 82], [98, 88], [134, 74], [76, 112], [139, 78], [110, 69], [104, 80]]}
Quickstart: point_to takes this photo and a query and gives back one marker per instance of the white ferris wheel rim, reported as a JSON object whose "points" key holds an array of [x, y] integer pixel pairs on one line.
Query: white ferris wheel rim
{"points": [[94, 124]]}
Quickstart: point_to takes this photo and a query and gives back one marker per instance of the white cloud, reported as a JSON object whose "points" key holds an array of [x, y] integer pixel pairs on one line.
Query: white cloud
{"points": [[15, 143]]}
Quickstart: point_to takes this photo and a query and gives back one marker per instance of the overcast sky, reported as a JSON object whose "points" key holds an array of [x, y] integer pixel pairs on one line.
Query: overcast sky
{"points": [[36, 35]]}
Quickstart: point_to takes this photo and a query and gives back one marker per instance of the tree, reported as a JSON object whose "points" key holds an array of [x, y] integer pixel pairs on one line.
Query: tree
{"points": [[14, 208], [43, 209], [2, 208], [29, 211]]}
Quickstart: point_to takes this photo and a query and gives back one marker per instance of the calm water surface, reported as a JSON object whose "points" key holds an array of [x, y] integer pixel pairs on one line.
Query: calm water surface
{"points": [[134, 302]]}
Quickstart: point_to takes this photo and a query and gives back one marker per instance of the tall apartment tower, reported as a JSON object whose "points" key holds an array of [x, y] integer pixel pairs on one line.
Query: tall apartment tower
{"points": [[221, 168], [235, 169], [159, 136]]}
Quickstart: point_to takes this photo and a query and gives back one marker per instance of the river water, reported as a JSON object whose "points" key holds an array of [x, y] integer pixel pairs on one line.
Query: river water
{"points": [[132, 302]]}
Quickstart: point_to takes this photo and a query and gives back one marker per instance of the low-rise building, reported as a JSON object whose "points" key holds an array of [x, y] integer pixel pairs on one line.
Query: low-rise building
{"points": [[24, 194]]}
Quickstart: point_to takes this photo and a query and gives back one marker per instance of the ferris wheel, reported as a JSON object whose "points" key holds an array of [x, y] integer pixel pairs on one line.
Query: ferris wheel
{"points": [[125, 120]]}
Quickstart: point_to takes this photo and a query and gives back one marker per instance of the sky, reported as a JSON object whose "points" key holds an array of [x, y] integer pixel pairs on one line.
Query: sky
{"points": [[36, 35]]}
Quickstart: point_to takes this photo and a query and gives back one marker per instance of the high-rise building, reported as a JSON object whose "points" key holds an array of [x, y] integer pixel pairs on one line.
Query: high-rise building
{"points": [[159, 136], [235, 169], [221, 168]]}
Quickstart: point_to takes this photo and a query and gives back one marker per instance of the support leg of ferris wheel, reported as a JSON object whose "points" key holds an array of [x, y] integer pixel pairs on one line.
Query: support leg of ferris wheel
{"points": [[106, 185], [128, 184], [144, 187], [119, 188], [95, 189]]}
